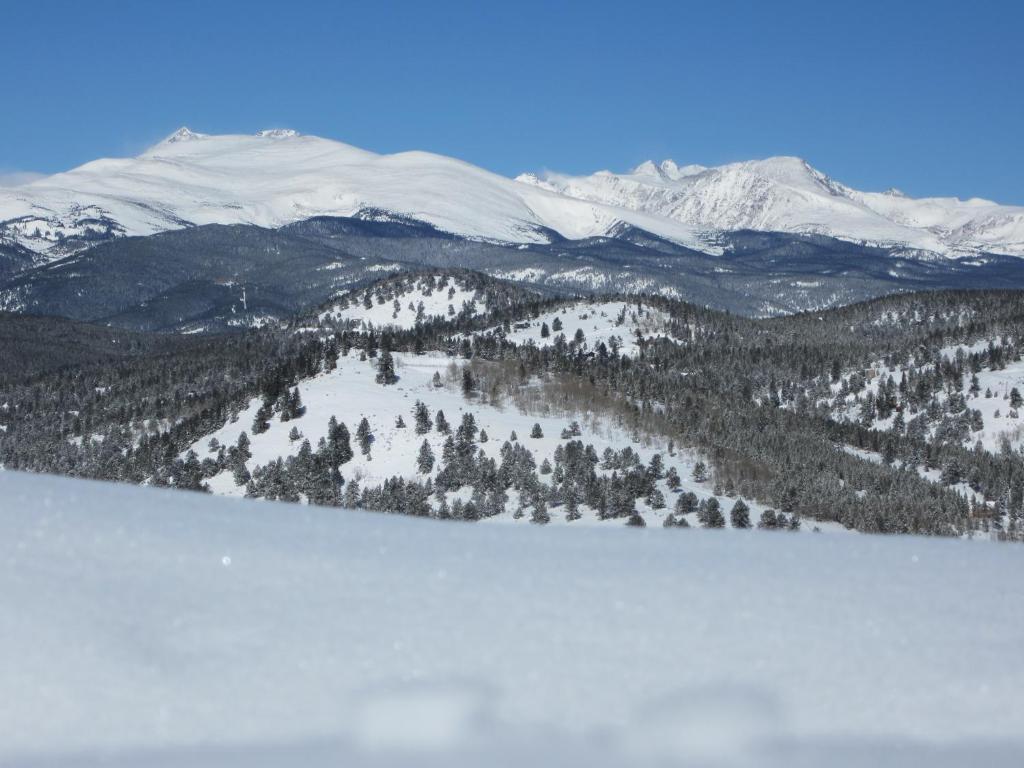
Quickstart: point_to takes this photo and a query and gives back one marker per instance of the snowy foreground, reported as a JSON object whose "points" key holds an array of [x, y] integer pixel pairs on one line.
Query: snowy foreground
{"points": [[142, 627]]}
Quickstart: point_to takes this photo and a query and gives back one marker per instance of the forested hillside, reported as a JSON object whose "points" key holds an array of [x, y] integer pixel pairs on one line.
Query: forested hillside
{"points": [[457, 395]]}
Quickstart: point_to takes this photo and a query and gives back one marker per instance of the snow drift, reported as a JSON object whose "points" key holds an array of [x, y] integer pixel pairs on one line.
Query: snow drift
{"points": [[146, 627]]}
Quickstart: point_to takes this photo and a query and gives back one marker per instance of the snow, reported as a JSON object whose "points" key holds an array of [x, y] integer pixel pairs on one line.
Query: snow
{"points": [[1001, 422], [785, 194], [351, 393], [279, 176], [601, 322], [406, 306], [145, 627]]}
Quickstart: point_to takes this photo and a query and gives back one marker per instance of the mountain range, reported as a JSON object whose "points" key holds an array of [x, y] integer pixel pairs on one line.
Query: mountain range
{"points": [[277, 177], [202, 233]]}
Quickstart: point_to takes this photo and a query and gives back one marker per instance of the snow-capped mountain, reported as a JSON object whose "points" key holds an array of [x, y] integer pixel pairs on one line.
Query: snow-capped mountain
{"points": [[279, 176], [785, 194]]}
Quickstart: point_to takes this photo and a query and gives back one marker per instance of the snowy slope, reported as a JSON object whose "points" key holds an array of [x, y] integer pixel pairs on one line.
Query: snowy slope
{"points": [[351, 393], [155, 628], [785, 194], [386, 305], [277, 177], [1001, 422], [616, 324]]}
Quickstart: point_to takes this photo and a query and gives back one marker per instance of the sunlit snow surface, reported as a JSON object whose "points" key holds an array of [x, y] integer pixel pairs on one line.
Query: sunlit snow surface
{"points": [[142, 627]]}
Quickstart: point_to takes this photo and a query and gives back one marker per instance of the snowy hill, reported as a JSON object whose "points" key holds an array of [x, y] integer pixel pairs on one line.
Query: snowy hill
{"points": [[350, 393], [785, 194], [278, 177], [403, 302], [153, 628]]}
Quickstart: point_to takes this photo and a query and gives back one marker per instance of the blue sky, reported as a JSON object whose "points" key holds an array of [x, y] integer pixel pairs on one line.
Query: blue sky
{"points": [[926, 96]]}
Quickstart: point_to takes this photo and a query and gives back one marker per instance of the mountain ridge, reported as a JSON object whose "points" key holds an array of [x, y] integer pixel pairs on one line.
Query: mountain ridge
{"points": [[787, 194], [279, 176]]}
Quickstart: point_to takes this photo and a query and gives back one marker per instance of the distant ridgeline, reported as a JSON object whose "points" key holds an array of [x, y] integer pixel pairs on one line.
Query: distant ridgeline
{"points": [[219, 277], [452, 394]]}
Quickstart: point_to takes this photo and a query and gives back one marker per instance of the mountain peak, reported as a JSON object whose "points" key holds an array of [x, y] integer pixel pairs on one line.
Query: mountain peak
{"points": [[183, 134], [667, 169], [647, 168]]}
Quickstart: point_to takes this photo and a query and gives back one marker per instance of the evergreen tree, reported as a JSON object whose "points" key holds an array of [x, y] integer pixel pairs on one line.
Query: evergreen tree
{"points": [[441, 423], [468, 383], [739, 516], [338, 443], [386, 369], [425, 459], [422, 417], [364, 436]]}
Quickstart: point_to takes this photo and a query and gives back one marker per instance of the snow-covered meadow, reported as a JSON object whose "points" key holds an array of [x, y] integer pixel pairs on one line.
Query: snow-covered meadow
{"points": [[145, 627]]}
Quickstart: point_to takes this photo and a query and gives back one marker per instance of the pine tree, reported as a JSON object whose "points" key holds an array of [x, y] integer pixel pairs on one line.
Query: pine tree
{"points": [[338, 442], [294, 434], [425, 459], [544, 331], [441, 423], [422, 417], [636, 521], [241, 473], [739, 516], [386, 369], [468, 383], [536, 432], [261, 422], [364, 436], [700, 472]]}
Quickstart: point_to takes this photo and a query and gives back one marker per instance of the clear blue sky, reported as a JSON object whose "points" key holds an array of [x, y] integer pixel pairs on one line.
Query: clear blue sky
{"points": [[927, 96]]}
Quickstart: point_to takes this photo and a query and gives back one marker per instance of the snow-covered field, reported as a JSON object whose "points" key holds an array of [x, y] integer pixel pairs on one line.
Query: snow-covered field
{"points": [[144, 627]]}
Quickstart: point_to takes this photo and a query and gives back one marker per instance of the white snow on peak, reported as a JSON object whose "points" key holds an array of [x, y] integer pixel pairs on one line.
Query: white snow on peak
{"points": [[279, 176], [183, 134], [277, 133], [239, 179], [787, 194]]}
